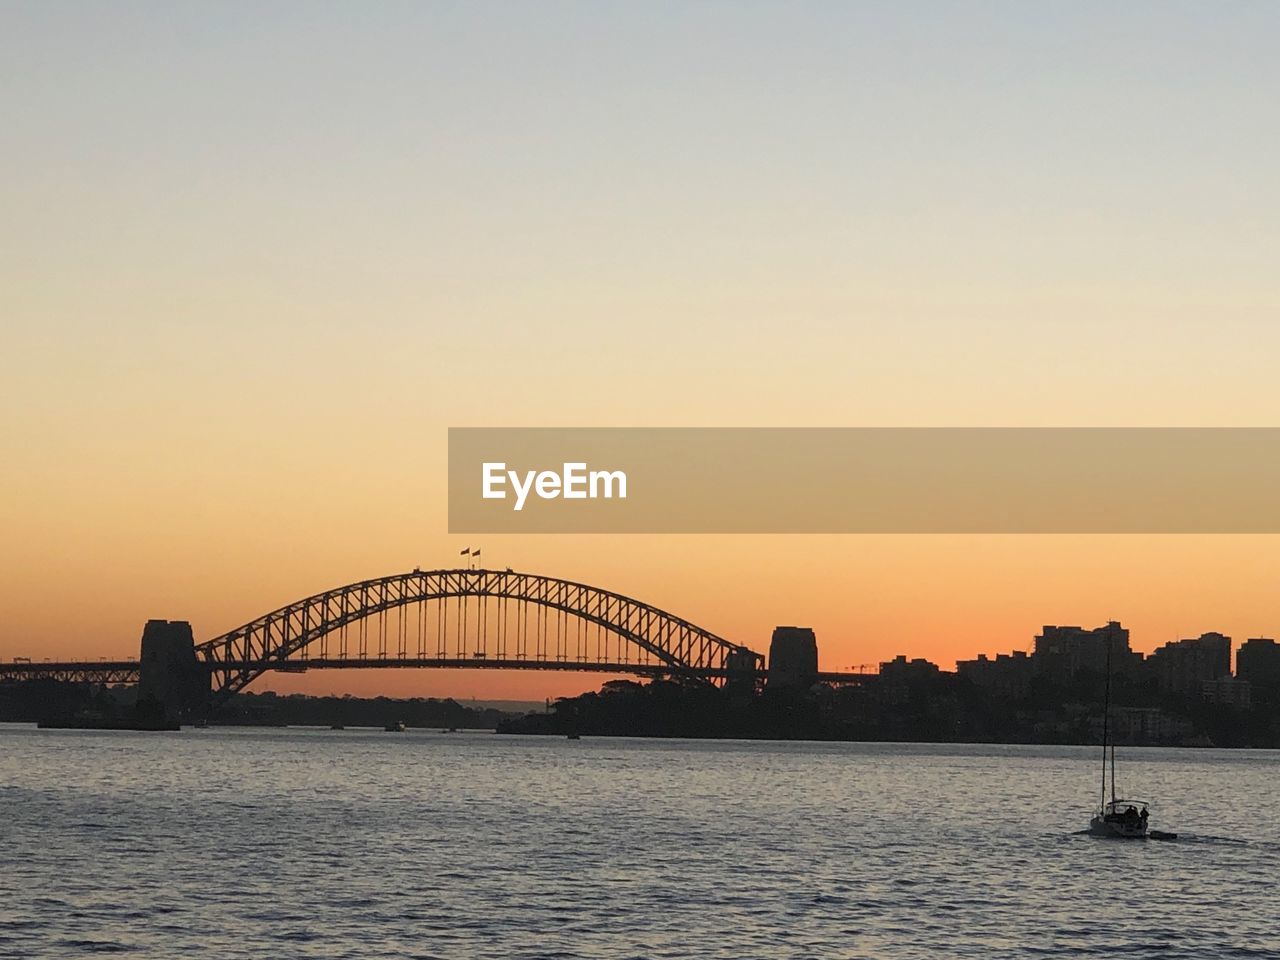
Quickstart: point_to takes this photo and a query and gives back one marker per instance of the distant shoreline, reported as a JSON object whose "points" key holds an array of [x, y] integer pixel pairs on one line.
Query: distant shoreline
{"points": [[370, 728]]}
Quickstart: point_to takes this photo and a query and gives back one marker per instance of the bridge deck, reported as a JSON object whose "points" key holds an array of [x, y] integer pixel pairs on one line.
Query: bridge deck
{"points": [[301, 665], [75, 671], [126, 671]]}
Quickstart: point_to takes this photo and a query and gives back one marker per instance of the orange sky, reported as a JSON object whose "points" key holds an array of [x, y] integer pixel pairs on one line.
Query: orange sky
{"points": [[249, 282]]}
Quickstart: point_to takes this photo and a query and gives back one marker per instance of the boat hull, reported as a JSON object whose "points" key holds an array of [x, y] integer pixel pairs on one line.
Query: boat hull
{"points": [[1117, 829]]}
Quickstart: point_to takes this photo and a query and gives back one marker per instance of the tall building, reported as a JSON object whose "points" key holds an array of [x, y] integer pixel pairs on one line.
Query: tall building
{"points": [[1258, 661], [1181, 666], [1062, 653]]}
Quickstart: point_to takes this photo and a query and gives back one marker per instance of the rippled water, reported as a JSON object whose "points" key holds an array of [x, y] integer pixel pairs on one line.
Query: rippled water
{"points": [[310, 843]]}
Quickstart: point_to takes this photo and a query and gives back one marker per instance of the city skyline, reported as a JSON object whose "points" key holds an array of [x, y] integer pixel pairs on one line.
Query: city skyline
{"points": [[1043, 644]]}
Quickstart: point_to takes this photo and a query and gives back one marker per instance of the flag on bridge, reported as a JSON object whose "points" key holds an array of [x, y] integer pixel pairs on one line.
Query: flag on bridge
{"points": [[465, 552]]}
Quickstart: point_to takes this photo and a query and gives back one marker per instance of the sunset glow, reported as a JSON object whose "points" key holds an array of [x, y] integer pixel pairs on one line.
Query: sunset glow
{"points": [[238, 322]]}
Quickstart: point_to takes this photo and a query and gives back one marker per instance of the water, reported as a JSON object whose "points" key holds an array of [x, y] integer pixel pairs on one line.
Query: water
{"points": [[311, 843]]}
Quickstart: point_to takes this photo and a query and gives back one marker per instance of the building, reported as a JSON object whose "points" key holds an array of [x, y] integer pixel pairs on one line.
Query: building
{"points": [[1181, 666], [1007, 676], [1258, 661], [1148, 725], [1227, 692], [902, 670], [902, 680], [1063, 653]]}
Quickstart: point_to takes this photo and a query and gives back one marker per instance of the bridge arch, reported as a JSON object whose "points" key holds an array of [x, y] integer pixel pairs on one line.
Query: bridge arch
{"points": [[646, 640]]}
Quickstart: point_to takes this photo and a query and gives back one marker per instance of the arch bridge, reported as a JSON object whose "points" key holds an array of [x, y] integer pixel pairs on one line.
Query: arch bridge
{"points": [[486, 619]]}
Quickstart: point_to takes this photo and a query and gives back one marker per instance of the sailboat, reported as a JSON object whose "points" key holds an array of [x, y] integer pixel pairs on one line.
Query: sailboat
{"points": [[1118, 818]]}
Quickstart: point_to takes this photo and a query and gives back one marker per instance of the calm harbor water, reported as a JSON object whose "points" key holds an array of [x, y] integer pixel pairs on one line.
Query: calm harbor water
{"points": [[315, 843]]}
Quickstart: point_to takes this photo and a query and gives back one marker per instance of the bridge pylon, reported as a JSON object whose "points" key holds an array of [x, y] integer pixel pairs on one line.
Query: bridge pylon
{"points": [[170, 676]]}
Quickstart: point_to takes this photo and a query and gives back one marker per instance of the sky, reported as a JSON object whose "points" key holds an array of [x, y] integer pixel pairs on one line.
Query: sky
{"points": [[256, 259]]}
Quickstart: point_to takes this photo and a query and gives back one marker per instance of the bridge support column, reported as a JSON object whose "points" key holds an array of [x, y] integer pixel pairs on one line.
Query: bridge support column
{"points": [[793, 658], [743, 673], [171, 678]]}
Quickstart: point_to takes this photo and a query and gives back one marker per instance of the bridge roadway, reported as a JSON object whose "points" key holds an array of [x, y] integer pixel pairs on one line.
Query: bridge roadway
{"points": [[127, 671], [73, 671]]}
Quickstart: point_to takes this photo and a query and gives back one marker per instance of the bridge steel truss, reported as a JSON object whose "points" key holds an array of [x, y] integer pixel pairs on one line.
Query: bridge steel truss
{"points": [[472, 618], [71, 671]]}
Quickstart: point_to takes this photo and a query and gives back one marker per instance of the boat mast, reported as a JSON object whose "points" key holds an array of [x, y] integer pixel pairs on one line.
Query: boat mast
{"points": [[1106, 724], [1113, 772]]}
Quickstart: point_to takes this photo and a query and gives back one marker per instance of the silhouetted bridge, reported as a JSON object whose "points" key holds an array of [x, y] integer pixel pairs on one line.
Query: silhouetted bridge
{"points": [[473, 619]]}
